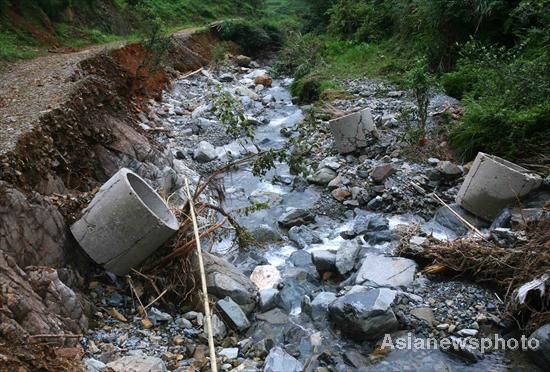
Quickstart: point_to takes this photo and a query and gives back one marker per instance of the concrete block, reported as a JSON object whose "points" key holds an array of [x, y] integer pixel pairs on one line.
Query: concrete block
{"points": [[125, 223], [350, 132], [494, 183]]}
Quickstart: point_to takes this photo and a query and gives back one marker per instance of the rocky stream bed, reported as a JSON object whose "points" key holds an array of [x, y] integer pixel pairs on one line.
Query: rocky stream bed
{"points": [[325, 285]]}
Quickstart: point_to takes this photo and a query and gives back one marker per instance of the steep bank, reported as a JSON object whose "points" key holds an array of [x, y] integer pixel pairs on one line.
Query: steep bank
{"points": [[68, 124]]}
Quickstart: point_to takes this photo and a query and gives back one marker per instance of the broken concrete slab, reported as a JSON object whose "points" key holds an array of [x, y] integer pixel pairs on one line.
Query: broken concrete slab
{"points": [[124, 223], [350, 132], [494, 183], [382, 271]]}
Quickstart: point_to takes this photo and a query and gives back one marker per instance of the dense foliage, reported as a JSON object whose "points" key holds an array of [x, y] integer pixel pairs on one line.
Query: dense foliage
{"points": [[492, 54]]}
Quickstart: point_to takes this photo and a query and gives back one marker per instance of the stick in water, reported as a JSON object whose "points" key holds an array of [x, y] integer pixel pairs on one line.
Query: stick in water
{"points": [[213, 362]]}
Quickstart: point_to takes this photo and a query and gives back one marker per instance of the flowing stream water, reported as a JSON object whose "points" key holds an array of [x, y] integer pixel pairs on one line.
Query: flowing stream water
{"points": [[312, 339]]}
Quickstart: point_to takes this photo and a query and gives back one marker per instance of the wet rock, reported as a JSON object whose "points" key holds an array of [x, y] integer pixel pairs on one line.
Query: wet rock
{"points": [[364, 224], [155, 315], [449, 169], [541, 356], [280, 361], [226, 78], [446, 218], [224, 279], [385, 271], [275, 316], [324, 261], [243, 61], [233, 314], [340, 194], [266, 233], [375, 203], [378, 237], [356, 360], [265, 276], [466, 352], [319, 305], [229, 353], [301, 259], [218, 327], [205, 152], [296, 217], [322, 177], [381, 172], [183, 323], [269, 299], [346, 256], [245, 92], [331, 162], [138, 364], [303, 236], [365, 314], [424, 313]]}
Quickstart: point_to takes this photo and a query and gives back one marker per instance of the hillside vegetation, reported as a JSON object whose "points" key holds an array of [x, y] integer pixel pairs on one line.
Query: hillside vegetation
{"points": [[492, 54], [28, 28]]}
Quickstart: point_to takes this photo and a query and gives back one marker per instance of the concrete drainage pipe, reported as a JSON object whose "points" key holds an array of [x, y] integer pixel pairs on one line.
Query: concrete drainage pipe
{"points": [[494, 183], [125, 222]]}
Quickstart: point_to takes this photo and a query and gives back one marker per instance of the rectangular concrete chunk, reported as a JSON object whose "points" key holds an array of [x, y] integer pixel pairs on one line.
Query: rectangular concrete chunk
{"points": [[494, 183], [350, 132]]}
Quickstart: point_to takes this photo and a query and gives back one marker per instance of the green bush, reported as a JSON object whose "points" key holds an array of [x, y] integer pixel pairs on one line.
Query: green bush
{"points": [[458, 83], [306, 90], [252, 36]]}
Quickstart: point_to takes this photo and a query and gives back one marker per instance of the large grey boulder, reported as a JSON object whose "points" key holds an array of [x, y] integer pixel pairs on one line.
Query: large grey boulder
{"points": [[364, 314], [382, 271], [139, 363], [205, 152], [296, 217], [223, 279], [233, 314], [541, 356], [350, 132], [279, 360], [303, 236]]}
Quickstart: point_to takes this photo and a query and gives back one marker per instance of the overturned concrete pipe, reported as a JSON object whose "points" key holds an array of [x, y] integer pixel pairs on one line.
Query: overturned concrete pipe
{"points": [[494, 183], [350, 132], [125, 222]]}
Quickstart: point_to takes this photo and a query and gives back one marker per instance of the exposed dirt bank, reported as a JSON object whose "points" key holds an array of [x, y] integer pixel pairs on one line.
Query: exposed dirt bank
{"points": [[68, 123]]}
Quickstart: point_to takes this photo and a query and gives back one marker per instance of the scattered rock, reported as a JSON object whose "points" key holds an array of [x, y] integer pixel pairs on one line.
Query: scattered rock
{"points": [[324, 261], [226, 78], [243, 61], [424, 313], [320, 304], [233, 314], [264, 80], [346, 256], [340, 194], [269, 299], [224, 279], [303, 236], [381, 172], [138, 364], [449, 169], [205, 152], [322, 177], [365, 314], [280, 361], [229, 353], [265, 276], [385, 271], [541, 356], [266, 233], [296, 217]]}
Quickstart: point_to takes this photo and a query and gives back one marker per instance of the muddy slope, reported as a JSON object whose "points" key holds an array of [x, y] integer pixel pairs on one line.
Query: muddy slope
{"points": [[67, 150]]}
